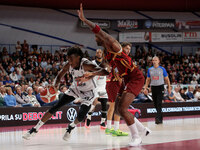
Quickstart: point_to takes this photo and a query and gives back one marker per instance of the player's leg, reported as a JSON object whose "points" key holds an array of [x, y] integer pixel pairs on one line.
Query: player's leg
{"points": [[65, 99], [117, 131], [110, 112], [122, 108], [80, 117], [103, 112], [89, 115]]}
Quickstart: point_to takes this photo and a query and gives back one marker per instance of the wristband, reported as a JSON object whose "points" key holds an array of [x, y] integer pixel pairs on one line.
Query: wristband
{"points": [[96, 29]]}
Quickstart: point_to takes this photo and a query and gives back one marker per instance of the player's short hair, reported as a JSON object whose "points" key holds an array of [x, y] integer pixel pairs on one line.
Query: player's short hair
{"points": [[124, 44], [75, 50]]}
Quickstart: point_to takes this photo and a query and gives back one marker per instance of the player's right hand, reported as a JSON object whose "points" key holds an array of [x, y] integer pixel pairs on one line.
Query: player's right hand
{"points": [[80, 13]]}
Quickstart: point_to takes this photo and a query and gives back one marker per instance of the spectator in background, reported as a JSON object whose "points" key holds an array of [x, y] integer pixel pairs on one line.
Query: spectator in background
{"points": [[31, 82], [43, 63], [29, 75], [190, 94], [32, 97], [171, 96], [183, 95], [2, 103], [143, 97], [25, 47], [21, 98], [9, 99], [196, 93], [3, 91], [13, 76], [194, 81], [2, 70], [7, 81], [178, 95], [18, 47]]}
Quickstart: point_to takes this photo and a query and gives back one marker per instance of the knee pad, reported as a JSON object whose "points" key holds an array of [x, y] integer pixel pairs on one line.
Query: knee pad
{"points": [[83, 112], [103, 103]]}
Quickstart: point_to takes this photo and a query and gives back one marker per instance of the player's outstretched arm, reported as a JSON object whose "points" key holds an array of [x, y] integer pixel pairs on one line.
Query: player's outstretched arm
{"points": [[93, 70], [61, 75], [110, 42]]}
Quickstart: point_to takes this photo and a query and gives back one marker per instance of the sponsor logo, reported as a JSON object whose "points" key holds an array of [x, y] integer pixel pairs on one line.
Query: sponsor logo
{"points": [[148, 24], [71, 114]]}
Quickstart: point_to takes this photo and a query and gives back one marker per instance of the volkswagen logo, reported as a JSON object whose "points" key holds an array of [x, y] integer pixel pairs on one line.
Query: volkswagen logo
{"points": [[71, 114]]}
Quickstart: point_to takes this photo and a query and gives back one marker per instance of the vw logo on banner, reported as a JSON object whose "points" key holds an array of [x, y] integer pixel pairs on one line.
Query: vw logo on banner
{"points": [[71, 114]]}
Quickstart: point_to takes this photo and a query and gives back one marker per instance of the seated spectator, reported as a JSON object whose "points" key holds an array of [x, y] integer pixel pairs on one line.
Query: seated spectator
{"points": [[143, 97], [7, 82], [31, 82], [190, 94], [13, 76], [183, 95], [21, 98], [29, 75], [178, 95], [196, 93], [32, 97], [3, 91], [169, 97], [194, 81], [9, 99], [2, 103]]}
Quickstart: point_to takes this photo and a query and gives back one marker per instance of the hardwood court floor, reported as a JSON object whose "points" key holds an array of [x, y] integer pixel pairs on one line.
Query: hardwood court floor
{"points": [[176, 133]]}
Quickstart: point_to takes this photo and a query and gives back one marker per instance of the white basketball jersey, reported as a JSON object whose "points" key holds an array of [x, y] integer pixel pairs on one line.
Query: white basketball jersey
{"points": [[101, 84], [86, 90], [85, 86]]}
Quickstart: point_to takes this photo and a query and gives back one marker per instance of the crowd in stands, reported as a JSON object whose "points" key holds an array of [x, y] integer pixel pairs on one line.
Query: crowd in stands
{"points": [[23, 72]]}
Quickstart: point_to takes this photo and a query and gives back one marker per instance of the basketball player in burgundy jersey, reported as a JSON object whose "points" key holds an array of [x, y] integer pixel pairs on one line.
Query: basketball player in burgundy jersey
{"points": [[133, 77]]}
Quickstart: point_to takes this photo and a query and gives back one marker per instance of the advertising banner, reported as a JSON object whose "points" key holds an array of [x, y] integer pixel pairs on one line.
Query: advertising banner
{"points": [[31, 115], [105, 24], [193, 24], [136, 37], [166, 36], [132, 24], [158, 24], [191, 36]]}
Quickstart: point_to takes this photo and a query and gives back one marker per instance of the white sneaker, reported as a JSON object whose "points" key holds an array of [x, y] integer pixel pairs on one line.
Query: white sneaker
{"points": [[145, 132], [29, 134], [67, 133], [135, 142]]}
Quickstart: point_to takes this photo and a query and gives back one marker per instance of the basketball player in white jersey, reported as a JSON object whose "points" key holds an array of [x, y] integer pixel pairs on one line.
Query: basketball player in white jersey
{"points": [[82, 71], [101, 91]]}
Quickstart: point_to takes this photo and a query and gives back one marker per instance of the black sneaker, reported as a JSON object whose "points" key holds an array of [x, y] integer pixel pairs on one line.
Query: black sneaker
{"points": [[87, 123], [158, 121], [103, 125], [67, 133], [29, 134]]}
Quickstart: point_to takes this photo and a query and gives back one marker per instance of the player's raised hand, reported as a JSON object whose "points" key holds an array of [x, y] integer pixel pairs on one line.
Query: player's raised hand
{"points": [[80, 13]]}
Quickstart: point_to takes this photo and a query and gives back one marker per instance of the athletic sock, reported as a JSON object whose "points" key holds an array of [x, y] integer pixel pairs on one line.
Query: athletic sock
{"points": [[38, 125], [134, 130], [103, 120], [116, 125], [139, 125], [109, 124]]}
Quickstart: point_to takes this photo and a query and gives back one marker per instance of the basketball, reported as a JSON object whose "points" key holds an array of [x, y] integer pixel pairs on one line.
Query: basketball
{"points": [[48, 94]]}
